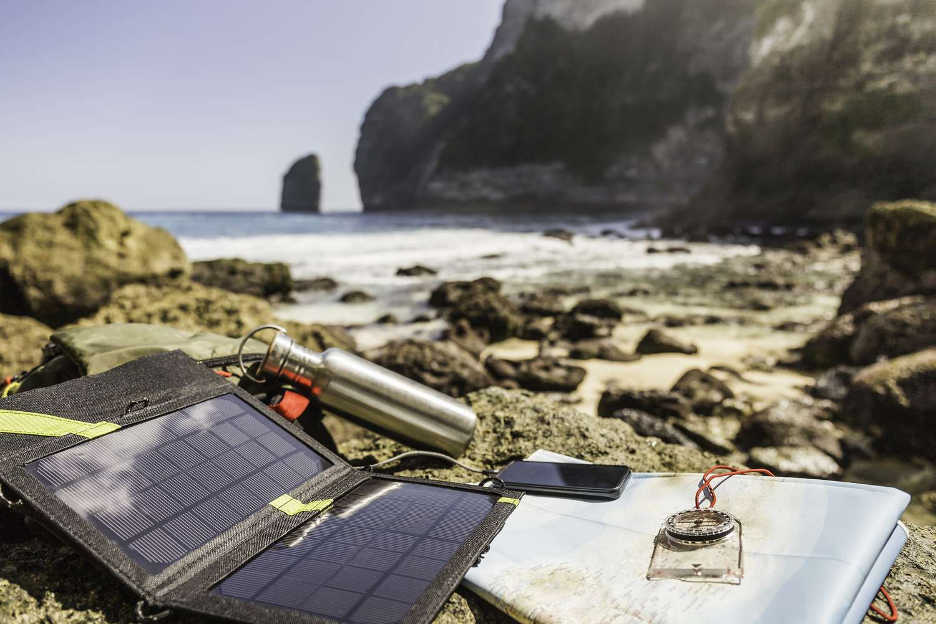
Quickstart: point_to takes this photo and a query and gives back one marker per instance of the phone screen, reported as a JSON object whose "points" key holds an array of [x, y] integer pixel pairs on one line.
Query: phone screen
{"points": [[565, 476]]}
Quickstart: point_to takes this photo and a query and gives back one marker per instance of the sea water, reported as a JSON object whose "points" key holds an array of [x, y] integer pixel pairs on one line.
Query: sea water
{"points": [[364, 251]]}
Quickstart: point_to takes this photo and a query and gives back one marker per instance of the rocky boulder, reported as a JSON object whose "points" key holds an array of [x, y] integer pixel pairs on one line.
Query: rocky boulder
{"points": [[302, 186], [542, 304], [711, 433], [899, 256], [795, 461], [193, 307], [895, 401], [801, 423], [21, 341], [467, 337], [601, 349], [442, 365], [873, 330], [583, 326], [657, 341], [447, 294], [270, 280], [654, 402], [647, 425], [704, 391], [355, 297], [601, 308], [61, 266], [489, 311], [416, 271], [546, 374], [315, 284]]}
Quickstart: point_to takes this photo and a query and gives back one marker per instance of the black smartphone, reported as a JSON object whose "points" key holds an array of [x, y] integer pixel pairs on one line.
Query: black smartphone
{"points": [[578, 480]]}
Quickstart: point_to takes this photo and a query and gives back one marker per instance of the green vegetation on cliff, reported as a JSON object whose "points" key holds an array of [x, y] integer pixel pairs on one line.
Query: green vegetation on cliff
{"points": [[586, 97], [836, 113]]}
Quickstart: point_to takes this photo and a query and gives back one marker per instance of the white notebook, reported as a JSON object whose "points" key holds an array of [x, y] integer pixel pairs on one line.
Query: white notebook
{"points": [[814, 551]]}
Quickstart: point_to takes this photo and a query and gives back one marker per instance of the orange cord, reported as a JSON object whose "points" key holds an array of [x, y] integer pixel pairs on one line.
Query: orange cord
{"points": [[892, 617], [709, 476]]}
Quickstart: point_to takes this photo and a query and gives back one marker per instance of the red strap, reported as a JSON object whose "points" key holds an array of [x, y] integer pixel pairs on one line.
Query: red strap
{"points": [[291, 406]]}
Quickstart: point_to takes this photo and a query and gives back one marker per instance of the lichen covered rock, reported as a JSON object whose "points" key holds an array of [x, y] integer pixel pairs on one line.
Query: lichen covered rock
{"points": [[61, 266], [899, 257], [896, 402], [21, 341], [191, 306]]}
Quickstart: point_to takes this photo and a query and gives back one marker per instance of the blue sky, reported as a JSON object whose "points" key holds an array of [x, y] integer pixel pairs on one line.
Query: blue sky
{"points": [[204, 105]]}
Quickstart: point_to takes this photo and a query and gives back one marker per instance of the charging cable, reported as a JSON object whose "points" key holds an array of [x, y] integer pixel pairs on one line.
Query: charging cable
{"points": [[443, 456]]}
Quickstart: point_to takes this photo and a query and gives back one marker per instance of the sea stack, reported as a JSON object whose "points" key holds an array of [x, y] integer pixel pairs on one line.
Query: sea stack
{"points": [[302, 187]]}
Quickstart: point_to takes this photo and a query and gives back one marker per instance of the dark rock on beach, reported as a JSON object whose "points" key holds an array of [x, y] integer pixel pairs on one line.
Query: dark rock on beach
{"points": [[490, 311], [356, 296], [535, 329], [601, 349], [563, 235], [501, 369], [834, 384], [447, 294], [442, 365], [315, 284], [302, 186], [600, 308], [877, 329], [895, 401], [60, 266], [801, 423], [471, 339], [704, 391], [795, 461], [583, 326], [654, 402], [416, 271], [271, 280], [542, 304], [656, 341], [710, 433], [647, 425], [545, 374]]}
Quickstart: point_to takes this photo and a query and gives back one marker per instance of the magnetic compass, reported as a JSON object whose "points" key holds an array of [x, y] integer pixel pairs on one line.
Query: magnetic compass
{"points": [[699, 526]]}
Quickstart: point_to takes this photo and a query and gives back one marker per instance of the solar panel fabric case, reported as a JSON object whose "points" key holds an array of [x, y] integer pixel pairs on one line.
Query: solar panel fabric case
{"points": [[200, 498]]}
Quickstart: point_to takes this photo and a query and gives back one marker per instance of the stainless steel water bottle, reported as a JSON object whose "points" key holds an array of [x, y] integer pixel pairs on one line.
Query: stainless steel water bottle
{"points": [[370, 395]]}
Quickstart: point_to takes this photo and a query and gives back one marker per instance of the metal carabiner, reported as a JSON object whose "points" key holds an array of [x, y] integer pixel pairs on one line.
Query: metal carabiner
{"points": [[240, 350]]}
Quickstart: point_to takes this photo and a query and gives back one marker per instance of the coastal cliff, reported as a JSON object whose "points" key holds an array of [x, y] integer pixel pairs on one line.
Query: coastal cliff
{"points": [[770, 110]]}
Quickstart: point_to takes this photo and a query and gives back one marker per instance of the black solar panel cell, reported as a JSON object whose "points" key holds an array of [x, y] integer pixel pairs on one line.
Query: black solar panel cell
{"points": [[167, 486], [366, 560]]}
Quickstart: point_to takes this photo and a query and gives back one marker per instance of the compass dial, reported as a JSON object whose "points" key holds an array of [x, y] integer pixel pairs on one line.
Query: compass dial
{"points": [[699, 525]]}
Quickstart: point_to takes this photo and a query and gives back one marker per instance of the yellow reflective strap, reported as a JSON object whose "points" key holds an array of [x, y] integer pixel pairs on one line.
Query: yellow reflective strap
{"points": [[9, 389], [32, 423], [290, 506], [512, 501]]}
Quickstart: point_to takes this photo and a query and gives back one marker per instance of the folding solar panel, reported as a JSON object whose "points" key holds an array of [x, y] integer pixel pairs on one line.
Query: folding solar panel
{"points": [[202, 499]]}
